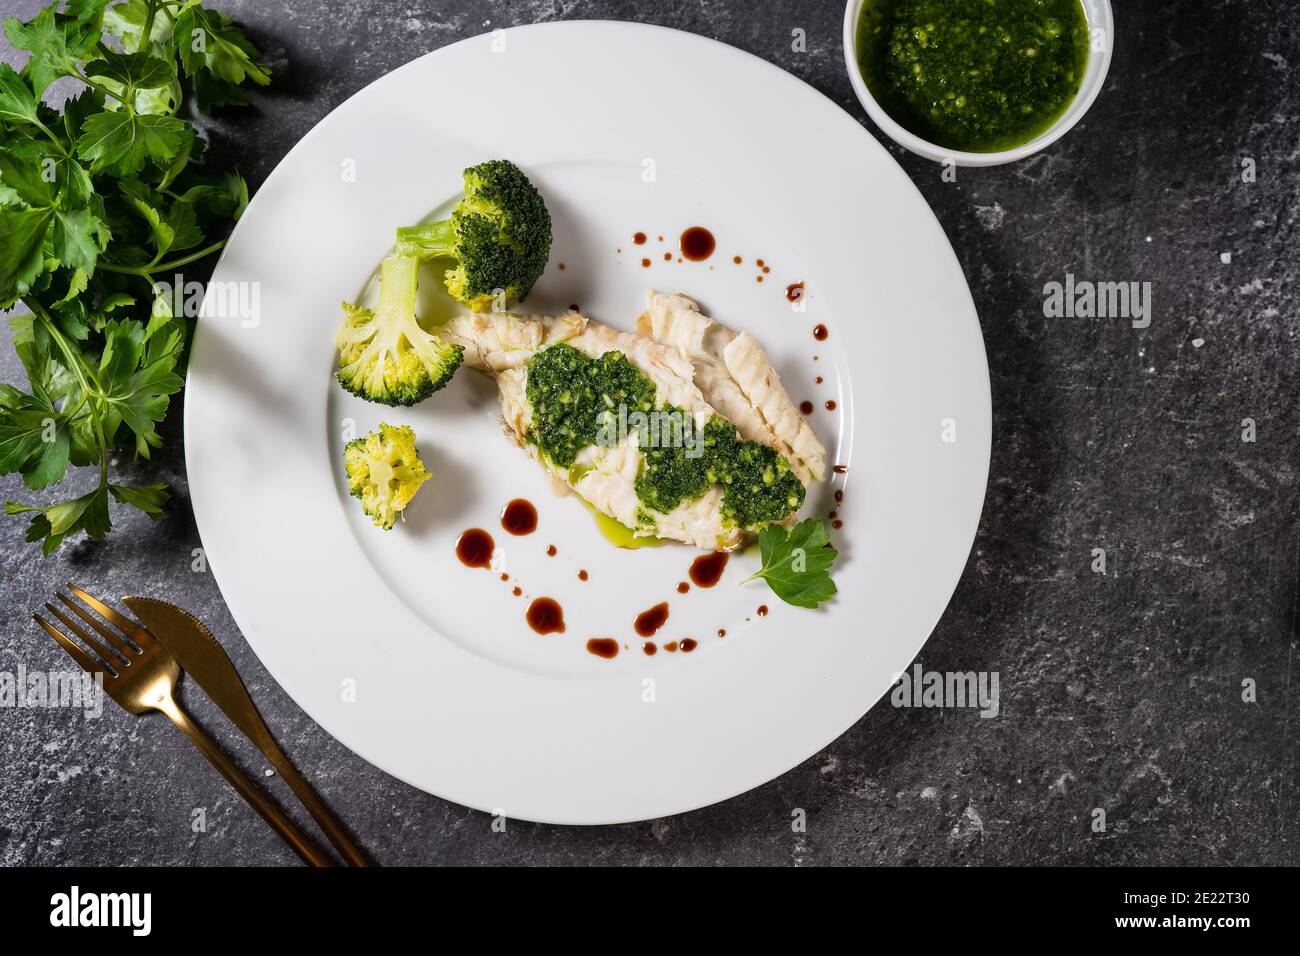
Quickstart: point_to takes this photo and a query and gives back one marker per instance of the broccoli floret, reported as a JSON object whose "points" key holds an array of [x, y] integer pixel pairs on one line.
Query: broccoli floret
{"points": [[384, 472], [384, 355], [499, 235]]}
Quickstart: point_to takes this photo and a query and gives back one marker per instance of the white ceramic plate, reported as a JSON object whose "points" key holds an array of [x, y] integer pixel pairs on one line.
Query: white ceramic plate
{"points": [[425, 667]]}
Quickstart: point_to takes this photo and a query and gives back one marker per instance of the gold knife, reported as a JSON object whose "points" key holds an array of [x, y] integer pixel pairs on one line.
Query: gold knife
{"points": [[205, 660]]}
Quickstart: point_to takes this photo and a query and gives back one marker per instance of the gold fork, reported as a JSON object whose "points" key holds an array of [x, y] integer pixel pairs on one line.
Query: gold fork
{"points": [[141, 676]]}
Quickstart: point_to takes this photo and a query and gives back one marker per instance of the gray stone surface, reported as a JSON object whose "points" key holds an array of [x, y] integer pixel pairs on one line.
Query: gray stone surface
{"points": [[1121, 691]]}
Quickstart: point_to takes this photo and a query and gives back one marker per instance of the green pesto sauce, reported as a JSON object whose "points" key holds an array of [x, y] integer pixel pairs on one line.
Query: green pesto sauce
{"points": [[571, 393], [973, 75], [573, 396]]}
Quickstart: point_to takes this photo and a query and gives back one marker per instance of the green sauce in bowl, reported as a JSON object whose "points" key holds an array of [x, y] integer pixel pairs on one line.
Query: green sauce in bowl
{"points": [[973, 75]]}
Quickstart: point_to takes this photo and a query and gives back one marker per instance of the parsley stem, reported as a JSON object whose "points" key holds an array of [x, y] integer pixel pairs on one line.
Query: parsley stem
{"points": [[146, 272], [93, 84], [103, 450], [148, 26], [186, 260], [77, 364], [71, 413], [53, 139]]}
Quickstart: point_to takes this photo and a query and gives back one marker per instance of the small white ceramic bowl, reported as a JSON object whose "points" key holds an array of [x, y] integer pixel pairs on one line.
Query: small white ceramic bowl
{"points": [[1101, 25]]}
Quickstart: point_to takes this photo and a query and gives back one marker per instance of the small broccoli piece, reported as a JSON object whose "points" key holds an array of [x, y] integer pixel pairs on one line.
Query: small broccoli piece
{"points": [[384, 355], [384, 472], [499, 235]]}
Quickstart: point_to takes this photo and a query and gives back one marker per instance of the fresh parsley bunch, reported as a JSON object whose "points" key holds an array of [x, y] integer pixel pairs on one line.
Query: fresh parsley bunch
{"points": [[95, 201]]}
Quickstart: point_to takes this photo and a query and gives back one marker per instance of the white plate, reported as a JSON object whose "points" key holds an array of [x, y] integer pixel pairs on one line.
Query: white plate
{"points": [[453, 692]]}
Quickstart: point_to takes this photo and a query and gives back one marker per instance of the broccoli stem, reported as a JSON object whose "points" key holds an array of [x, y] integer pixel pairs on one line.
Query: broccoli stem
{"points": [[399, 280], [428, 240]]}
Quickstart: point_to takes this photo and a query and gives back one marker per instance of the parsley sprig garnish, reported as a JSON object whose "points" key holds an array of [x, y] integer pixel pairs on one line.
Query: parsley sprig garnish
{"points": [[98, 201], [797, 562]]}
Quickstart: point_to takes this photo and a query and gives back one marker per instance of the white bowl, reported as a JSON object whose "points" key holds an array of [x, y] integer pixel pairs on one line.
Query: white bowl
{"points": [[1101, 25]]}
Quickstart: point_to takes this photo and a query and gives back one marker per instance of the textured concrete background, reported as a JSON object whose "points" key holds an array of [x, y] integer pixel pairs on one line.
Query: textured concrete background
{"points": [[1121, 691]]}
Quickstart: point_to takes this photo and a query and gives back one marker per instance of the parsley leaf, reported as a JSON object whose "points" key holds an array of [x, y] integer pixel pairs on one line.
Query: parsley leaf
{"points": [[22, 230], [797, 562], [131, 71], [139, 377], [206, 40], [88, 513], [148, 498], [33, 440], [23, 169], [119, 141], [17, 101], [56, 43], [146, 84], [78, 237]]}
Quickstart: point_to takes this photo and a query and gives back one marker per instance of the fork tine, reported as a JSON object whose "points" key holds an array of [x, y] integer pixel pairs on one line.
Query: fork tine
{"points": [[78, 655], [118, 642], [105, 655], [132, 629]]}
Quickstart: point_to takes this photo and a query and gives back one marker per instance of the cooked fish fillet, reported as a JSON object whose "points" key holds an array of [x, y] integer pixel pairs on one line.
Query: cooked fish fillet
{"points": [[501, 344], [496, 341], [734, 375]]}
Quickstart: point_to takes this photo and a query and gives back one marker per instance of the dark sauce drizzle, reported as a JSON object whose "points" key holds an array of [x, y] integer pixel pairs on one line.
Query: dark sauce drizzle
{"points": [[648, 622], [697, 243], [706, 570], [545, 616], [474, 548], [519, 517]]}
